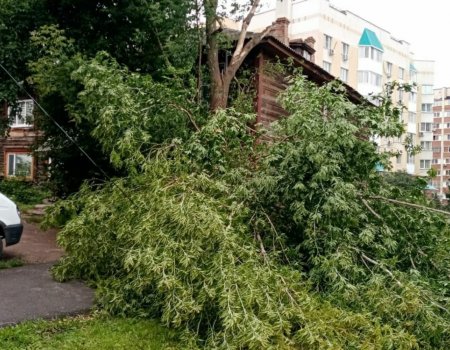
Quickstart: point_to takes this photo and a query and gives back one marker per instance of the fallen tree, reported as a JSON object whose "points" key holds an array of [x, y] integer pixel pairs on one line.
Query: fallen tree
{"points": [[294, 242]]}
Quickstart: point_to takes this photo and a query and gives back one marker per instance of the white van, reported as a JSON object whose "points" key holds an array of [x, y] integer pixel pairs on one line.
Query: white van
{"points": [[10, 224]]}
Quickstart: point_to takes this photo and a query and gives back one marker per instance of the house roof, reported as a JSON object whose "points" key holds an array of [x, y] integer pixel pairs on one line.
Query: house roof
{"points": [[276, 48], [369, 38]]}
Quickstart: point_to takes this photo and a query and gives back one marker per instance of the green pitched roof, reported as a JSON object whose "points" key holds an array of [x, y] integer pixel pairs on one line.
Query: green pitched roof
{"points": [[369, 38]]}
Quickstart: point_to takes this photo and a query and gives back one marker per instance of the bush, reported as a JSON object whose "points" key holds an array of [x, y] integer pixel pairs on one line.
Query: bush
{"points": [[24, 192]]}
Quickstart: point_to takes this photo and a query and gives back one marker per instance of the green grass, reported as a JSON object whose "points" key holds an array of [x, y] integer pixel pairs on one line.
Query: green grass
{"points": [[88, 333], [6, 264]]}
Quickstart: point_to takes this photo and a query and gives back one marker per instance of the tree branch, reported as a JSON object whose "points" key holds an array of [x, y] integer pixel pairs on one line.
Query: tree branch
{"points": [[412, 205], [261, 245], [371, 209], [244, 28], [365, 257], [189, 114]]}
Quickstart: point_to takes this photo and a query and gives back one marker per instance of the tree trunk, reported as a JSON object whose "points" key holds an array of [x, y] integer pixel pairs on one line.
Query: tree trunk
{"points": [[221, 80], [219, 92]]}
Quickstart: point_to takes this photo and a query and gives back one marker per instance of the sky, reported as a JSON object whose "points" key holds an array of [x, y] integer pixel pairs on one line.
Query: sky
{"points": [[424, 24]]}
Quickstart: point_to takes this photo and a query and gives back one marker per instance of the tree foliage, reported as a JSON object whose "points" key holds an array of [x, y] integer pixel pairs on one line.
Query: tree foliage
{"points": [[44, 41], [292, 241]]}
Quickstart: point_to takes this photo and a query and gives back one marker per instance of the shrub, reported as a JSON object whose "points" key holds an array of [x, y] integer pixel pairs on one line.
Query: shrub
{"points": [[24, 192]]}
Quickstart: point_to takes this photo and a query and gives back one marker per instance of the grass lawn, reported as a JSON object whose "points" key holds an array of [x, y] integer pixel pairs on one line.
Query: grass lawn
{"points": [[88, 333]]}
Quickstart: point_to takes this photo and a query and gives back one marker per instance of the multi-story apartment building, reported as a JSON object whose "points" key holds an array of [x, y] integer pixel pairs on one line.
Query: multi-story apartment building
{"points": [[441, 139], [424, 116], [366, 57]]}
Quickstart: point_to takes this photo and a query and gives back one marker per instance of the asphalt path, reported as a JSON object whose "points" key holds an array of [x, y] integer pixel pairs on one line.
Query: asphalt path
{"points": [[29, 293]]}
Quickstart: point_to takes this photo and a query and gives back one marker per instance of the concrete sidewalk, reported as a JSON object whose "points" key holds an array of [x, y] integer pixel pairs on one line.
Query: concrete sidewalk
{"points": [[29, 292]]}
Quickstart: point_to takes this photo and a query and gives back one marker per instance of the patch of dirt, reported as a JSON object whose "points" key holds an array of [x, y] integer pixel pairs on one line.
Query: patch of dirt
{"points": [[35, 246]]}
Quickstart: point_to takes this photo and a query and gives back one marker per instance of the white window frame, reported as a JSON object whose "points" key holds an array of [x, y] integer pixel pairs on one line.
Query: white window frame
{"points": [[426, 145], [326, 66], [328, 42], [23, 115], [12, 172], [427, 107], [425, 164], [426, 127], [344, 74], [345, 51], [388, 69]]}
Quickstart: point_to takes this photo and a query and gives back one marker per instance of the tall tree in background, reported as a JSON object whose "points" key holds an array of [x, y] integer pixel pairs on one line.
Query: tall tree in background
{"points": [[146, 36]]}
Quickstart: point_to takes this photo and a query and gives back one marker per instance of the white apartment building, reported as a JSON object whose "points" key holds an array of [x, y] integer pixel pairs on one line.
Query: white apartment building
{"points": [[365, 56], [441, 141]]}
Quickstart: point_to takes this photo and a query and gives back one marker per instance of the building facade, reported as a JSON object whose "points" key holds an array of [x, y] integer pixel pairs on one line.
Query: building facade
{"points": [[16, 157], [441, 140], [366, 57]]}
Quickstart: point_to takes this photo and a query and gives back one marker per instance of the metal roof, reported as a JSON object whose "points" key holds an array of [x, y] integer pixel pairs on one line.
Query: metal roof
{"points": [[369, 38]]}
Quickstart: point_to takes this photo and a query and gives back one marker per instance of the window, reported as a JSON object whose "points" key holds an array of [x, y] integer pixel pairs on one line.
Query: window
{"points": [[388, 69], [401, 73], [398, 158], [426, 127], [411, 117], [368, 77], [328, 42], [344, 75], [413, 75], [436, 149], [437, 138], [426, 107], [426, 145], [409, 158], [425, 163], [306, 55], [345, 50], [400, 95], [437, 114], [427, 89], [435, 161], [22, 115], [412, 96], [370, 52], [19, 164], [326, 66]]}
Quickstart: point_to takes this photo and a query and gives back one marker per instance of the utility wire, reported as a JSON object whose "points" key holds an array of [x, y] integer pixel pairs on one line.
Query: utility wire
{"points": [[56, 123]]}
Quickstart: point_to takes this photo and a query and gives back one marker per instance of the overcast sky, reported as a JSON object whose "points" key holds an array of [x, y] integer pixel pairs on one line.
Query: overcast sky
{"points": [[424, 24]]}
